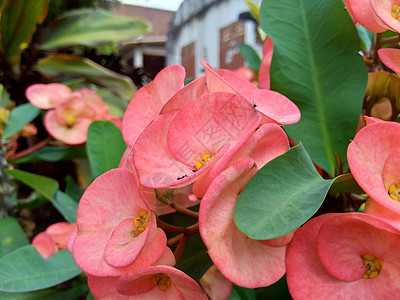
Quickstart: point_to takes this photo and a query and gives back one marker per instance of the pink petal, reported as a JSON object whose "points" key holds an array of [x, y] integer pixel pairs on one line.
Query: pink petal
{"points": [[367, 155], [371, 120], [343, 240], [122, 248], [149, 100], [263, 73], [365, 15], [140, 284], [383, 10], [74, 135], [47, 96], [391, 58], [280, 241], [273, 105], [110, 199], [188, 93], [374, 208], [391, 169], [72, 237], [347, 4], [60, 233], [220, 118], [225, 80], [215, 284], [44, 244], [244, 261], [167, 258]]}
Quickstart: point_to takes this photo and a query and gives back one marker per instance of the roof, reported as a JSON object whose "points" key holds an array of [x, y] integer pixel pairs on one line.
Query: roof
{"points": [[158, 18]]}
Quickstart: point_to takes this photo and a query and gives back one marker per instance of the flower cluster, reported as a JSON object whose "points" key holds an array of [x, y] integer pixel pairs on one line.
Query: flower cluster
{"points": [[202, 141], [70, 112]]}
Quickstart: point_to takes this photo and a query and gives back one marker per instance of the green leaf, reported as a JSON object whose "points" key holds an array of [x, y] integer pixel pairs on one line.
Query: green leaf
{"points": [[53, 153], [44, 185], [281, 196], [250, 56], [35, 200], [90, 27], [117, 106], [316, 64], [365, 37], [241, 293], [195, 260], [66, 206], [76, 67], [12, 236], [18, 23], [104, 146], [26, 270], [72, 189], [48, 294], [19, 117], [345, 184]]}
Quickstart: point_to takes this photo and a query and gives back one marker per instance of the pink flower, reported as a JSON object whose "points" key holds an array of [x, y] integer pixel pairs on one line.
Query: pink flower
{"points": [[388, 12], [263, 73], [344, 256], [116, 230], [181, 145], [215, 284], [244, 261], [363, 12], [374, 160], [374, 208], [47, 96], [53, 239]]}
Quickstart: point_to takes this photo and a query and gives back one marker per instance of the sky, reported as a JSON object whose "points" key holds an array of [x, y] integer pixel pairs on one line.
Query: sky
{"points": [[162, 4]]}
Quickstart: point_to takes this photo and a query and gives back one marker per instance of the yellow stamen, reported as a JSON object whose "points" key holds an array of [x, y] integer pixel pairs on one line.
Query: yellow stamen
{"points": [[374, 266], [141, 223], [394, 192], [205, 159], [396, 11], [161, 280]]}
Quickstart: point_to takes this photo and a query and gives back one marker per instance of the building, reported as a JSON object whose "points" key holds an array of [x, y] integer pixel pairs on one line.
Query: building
{"points": [[146, 54], [210, 30]]}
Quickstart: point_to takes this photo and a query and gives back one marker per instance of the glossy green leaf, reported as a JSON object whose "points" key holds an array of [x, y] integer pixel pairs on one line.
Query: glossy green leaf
{"points": [[72, 189], [19, 117], [44, 185], [105, 147], [26, 270], [250, 56], [53, 153], [316, 64], [241, 293], [48, 294], [90, 27], [66, 206], [18, 23], [281, 196], [12, 236], [76, 67], [366, 37]]}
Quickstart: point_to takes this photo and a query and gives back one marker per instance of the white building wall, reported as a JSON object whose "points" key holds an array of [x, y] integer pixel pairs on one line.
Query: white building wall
{"points": [[204, 31]]}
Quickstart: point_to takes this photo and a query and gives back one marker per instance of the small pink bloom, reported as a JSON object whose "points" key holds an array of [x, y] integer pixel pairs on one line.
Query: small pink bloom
{"points": [[245, 73], [116, 229], [47, 96], [44, 244], [344, 256], [388, 12], [179, 146], [149, 100], [374, 160], [159, 282], [28, 130], [60, 232], [215, 284], [244, 261], [363, 13]]}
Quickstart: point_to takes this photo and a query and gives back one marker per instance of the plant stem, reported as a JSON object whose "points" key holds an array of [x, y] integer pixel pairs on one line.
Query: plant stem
{"points": [[29, 150]]}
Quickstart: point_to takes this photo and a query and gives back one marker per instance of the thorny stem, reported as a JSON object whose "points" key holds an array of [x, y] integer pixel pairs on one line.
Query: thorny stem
{"points": [[185, 211], [191, 230], [179, 249], [391, 40], [29, 150], [174, 240]]}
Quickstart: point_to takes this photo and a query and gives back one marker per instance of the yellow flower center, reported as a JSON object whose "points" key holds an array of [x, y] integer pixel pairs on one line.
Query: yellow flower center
{"points": [[141, 223], [394, 192], [374, 266], [205, 159], [396, 12], [161, 280]]}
